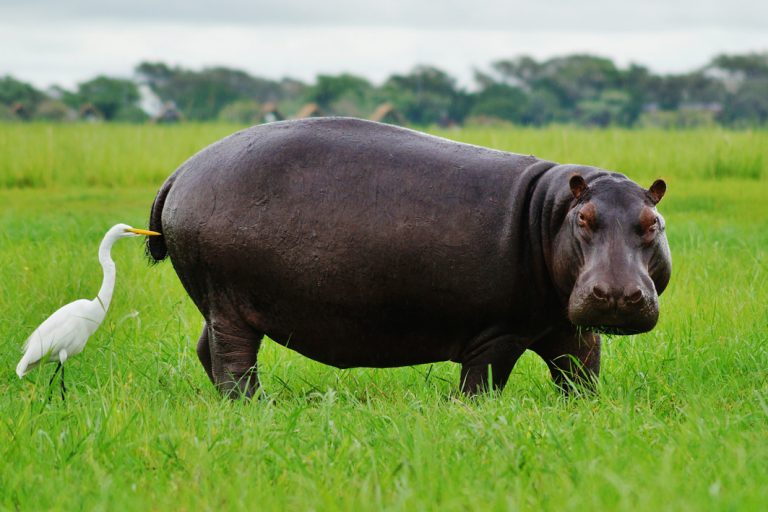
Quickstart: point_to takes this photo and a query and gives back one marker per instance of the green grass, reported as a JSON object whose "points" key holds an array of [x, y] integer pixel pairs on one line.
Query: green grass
{"points": [[680, 423], [41, 155]]}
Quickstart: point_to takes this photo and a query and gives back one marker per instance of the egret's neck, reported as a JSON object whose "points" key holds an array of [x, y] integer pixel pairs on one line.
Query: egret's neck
{"points": [[108, 284]]}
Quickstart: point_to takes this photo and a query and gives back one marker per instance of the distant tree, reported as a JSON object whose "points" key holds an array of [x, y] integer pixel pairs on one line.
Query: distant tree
{"points": [[586, 89], [521, 71], [329, 88], [670, 92], [110, 96], [667, 92], [13, 91], [572, 78], [635, 82], [543, 107], [703, 89], [291, 89], [512, 77], [749, 66], [579, 77], [157, 74], [427, 95], [500, 101], [70, 98], [610, 108], [573, 87], [201, 95], [748, 106], [743, 88]]}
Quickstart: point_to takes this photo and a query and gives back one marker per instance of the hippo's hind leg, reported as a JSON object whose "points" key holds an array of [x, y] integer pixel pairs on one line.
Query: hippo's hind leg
{"points": [[232, 351], [204, 352], [492, 350], [573, 358]]}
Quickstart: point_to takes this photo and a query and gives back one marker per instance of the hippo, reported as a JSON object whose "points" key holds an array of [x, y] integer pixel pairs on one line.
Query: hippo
{"points": [[360, 244]]}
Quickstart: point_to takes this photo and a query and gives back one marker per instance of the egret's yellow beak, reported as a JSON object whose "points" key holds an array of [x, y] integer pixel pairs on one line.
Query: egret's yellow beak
{"points": [[143, 232]]}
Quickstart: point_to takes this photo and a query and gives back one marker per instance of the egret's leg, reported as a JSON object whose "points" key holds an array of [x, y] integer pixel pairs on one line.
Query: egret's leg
{"points": [[50, 382], [58, 367], [63, 387], [62, 359]]}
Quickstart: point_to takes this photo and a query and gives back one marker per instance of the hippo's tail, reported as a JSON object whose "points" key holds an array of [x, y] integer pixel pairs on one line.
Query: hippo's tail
{"points": [[156, 249]]}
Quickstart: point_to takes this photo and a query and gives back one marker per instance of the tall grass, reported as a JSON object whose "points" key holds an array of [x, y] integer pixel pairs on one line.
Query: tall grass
{"points": [[643, 154], [48, 155], [41, 155], [680, 422]]}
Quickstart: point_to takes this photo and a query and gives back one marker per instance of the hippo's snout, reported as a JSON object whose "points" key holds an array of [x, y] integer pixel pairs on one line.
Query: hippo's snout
{"points": [[604, 307], [617, 297]]}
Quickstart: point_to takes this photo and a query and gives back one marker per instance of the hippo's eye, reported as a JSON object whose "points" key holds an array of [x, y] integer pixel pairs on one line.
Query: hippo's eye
{"points": [[582, 220]]}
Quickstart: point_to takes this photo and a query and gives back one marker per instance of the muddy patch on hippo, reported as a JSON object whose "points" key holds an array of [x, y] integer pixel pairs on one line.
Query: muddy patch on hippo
{"points": [[360, 244]]}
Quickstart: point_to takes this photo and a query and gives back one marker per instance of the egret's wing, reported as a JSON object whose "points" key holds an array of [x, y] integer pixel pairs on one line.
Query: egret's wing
{"points": [[65, 326]]}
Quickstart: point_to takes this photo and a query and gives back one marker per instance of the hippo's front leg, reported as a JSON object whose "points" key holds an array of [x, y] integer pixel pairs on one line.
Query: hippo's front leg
{"points": [[233, 355], [573, 357], [491, 350]]}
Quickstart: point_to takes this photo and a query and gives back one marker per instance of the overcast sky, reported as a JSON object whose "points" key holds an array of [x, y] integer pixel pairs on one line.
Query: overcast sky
{"points": [[68, 41]]}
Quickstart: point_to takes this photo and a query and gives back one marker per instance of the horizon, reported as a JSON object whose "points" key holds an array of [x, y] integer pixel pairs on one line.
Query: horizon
{"points": [[468, 83]]}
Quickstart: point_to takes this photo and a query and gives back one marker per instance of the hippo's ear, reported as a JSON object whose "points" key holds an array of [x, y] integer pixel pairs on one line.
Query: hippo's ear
{"points": [[657, 191], [578, 185]]}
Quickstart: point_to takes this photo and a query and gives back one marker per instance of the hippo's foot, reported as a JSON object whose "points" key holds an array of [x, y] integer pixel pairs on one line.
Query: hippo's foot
{"points": [[573, 358], [230, 359], [493, 351]]}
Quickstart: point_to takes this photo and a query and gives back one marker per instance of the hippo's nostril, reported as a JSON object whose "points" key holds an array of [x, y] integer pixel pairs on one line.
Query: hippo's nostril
{"points": [[599, 293], [633, 297]]}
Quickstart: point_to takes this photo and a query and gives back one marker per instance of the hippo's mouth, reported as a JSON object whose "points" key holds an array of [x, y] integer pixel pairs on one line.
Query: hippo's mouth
{"points": [[614, 329], [597, 317]]}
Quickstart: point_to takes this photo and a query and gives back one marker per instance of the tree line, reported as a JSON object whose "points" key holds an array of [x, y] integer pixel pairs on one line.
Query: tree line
{"points": [[731, 90]]}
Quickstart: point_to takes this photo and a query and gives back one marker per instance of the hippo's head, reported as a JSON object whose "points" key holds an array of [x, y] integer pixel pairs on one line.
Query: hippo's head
{"points": [[612, 259]]}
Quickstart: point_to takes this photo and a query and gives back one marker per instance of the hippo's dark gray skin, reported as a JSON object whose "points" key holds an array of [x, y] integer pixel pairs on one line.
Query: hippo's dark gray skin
{"points": [[362, 244]]}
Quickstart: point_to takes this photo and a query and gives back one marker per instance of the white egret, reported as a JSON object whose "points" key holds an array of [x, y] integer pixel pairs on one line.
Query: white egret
{"points": [[65, 332]]}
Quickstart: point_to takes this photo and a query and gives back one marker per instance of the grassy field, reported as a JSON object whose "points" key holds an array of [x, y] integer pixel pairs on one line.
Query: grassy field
{"points": [[680, 423]]}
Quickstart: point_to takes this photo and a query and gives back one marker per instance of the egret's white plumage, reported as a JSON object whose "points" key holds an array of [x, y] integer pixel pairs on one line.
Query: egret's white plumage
{"points": [[65, 332]]}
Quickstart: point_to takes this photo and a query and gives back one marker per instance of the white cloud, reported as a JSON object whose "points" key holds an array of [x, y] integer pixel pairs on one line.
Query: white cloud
{"points": [[569, 15], [66, 42]]}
